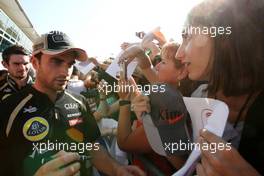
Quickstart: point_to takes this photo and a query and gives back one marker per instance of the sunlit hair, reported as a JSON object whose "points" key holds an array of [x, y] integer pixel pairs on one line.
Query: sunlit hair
{"points": [[168, 51], [238, 59]]}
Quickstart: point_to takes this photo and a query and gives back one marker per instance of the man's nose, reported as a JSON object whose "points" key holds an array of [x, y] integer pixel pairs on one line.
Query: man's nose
{"points": [[22, 67]]}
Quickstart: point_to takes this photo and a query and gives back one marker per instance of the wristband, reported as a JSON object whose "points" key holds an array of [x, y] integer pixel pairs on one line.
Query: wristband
{"points": [[124, 102]]}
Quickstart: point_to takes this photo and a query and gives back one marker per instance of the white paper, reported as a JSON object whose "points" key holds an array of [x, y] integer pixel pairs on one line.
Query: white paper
{"points": [[205, 113], [85, 67], [114, 68], [106, 123]]}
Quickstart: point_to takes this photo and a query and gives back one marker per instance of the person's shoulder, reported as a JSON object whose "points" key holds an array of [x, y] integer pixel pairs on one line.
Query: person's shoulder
{"points": [[260, 97], [90, 93], [256, 111], [72, 96], [3, 82], [13, 104], [259, 101], [201, 91], [30, 80], [17, 97]]}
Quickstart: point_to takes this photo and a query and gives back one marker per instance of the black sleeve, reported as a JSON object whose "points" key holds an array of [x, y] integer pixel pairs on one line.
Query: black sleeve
{"points": [[92, 131], [5, 111], [6, 165], [252, 139], [91, 93]]}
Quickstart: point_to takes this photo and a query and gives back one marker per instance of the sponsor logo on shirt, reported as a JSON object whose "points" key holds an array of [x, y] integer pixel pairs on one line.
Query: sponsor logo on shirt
{"points": [[74, 115], [69, 106], [169, 117], [175, 119], [35, 129], [7, 90], [30, 109], [76, 121]]}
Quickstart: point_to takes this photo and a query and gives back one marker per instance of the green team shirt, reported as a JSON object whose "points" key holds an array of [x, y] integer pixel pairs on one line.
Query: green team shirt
{"points": [[33, 129]]}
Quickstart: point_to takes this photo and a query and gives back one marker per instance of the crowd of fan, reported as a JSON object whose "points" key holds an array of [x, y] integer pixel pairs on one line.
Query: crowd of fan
{"points": [[229, 69]]}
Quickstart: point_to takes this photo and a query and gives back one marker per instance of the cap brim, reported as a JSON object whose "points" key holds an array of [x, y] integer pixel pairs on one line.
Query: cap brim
{"points": [[82, 56]]}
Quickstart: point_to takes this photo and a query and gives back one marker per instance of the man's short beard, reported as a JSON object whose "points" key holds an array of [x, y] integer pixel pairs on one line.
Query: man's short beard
{"points": [[20, 77]]}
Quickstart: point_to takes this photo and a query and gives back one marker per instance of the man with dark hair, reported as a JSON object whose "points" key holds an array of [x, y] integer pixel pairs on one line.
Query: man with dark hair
{"points": [[16, 61], [43, 124], [75, 84]]}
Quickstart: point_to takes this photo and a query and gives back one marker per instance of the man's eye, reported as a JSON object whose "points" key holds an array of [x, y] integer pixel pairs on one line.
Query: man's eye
{"points": [[57, 62]]}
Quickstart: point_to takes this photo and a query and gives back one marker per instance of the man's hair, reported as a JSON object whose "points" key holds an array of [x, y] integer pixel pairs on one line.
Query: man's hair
{"points": [[14, 49]]}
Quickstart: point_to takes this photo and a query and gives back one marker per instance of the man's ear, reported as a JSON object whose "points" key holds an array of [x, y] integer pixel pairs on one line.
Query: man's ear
{"points": [[35, 62], [5, 64], [183, 74]]}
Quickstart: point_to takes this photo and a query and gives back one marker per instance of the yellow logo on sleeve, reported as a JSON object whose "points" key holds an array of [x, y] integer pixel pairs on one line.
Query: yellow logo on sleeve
{"points": [[35, 129]]}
